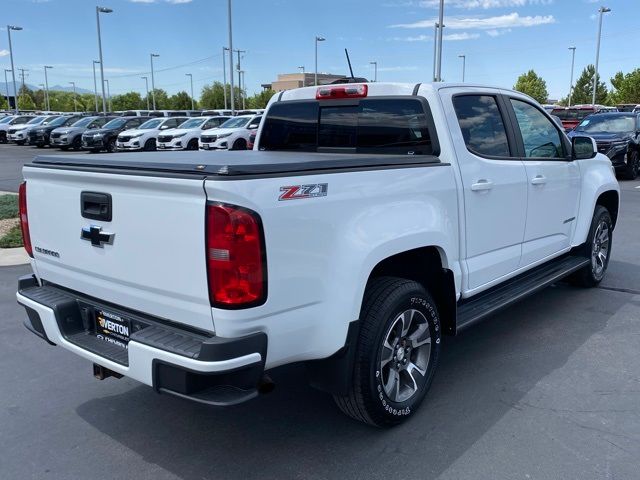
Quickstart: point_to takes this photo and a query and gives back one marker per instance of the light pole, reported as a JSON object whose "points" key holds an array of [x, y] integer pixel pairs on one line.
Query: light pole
{"points": [[573, 59], [100, 10], [191, 79], [230, 56], [42, 87], [602, 11], [13, 69], [375, 70], [464, 65], [304, 75], [46, 85], [6, 85], [75, 108], [146, 83], [315, 78], [153, 81], [95, 84], [224, 77], [242, 86], [238, 68], [440, 22], [108, 94], [435, 49]]}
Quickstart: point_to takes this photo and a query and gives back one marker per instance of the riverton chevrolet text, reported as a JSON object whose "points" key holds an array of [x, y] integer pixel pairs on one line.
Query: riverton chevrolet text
{"points": [[369, 221]]}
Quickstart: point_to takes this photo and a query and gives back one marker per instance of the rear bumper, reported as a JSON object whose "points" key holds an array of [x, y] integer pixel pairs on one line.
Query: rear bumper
{"points": [[207, 369]]}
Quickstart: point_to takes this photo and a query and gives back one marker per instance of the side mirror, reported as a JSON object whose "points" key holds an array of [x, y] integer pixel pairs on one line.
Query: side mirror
{"points": [[164, 127], [253, 125], [583, 148]]}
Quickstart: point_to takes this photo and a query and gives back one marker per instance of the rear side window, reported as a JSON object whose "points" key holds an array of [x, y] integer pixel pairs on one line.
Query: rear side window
{"points": [[393, 126], [482, 125]]}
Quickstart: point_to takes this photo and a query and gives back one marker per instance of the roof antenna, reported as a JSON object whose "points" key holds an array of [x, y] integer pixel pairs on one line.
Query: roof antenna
{"points": [[349, 62]]}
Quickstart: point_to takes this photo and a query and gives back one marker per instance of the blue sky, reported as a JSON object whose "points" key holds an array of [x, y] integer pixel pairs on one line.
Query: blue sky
{"points": [[501, 39]]}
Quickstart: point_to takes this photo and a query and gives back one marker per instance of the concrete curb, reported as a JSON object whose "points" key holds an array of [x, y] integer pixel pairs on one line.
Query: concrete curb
{"points": [[13, 256]]}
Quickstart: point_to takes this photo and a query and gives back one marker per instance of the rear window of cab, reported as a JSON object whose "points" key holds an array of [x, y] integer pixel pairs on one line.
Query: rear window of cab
{"points": [[399, 126]]}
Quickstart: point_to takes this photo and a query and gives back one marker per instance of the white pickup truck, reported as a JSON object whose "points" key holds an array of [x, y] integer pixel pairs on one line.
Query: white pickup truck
{"points": [[370, 220]]}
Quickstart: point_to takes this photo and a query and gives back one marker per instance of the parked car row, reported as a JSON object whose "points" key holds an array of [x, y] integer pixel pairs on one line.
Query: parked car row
{"points": [[132, 132]]}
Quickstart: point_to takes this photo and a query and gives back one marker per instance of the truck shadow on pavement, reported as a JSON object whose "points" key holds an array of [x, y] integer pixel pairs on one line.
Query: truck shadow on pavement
{"points": [[297, 432]]}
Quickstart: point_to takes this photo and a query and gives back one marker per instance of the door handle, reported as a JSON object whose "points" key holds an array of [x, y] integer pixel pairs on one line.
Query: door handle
{"points": [[539, 180], [481, 185]]}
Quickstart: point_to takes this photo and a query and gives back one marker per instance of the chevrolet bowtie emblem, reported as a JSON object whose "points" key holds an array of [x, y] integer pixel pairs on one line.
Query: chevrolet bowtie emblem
{"points": [[96, 236]]}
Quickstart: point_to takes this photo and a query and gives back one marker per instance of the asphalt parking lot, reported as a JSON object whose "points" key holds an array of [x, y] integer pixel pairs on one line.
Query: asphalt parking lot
{"points": [[548, 389]]}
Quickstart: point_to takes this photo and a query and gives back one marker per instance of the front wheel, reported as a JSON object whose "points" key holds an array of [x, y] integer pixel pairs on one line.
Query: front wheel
{"points": [[633, 165], [111, 146], [597, 248], [396, 354]]}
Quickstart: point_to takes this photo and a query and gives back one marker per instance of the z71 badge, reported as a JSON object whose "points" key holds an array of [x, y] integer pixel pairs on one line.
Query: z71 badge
{"points": [[299, 192]]}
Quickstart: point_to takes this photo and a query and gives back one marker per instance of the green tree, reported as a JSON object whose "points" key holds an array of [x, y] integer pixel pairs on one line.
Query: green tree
{"points": [[3, 103], [626, 88], [260, 100], [25, 102], [162, 100], [180, 101], [127, 101], [583, 89], [38, 99], [533, 85], [212, 96]]}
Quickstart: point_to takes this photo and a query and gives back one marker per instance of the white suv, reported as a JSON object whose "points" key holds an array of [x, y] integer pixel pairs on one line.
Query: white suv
{"points": [[232, 135], [186, 136], [145, 137]]}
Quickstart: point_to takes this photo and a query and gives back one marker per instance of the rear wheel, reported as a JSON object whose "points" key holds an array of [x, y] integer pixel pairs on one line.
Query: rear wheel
{"points": [[633, 165], [597, 248], [396, 354]]}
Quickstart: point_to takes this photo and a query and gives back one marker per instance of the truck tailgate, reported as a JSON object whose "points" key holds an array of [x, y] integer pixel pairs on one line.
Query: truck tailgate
{"points": [[156, 261]]}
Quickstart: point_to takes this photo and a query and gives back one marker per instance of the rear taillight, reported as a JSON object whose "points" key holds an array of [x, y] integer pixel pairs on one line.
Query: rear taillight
{"points": [[236, 260], [24, 218], [342, 91]]}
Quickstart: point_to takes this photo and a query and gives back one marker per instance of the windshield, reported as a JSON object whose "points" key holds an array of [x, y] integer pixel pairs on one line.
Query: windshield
{"points": [[193, 123], [237, 122], [571, 114], [6, 119], [58, 121], [36, 121], [115, 123], [608, 124], [84, 122], [149, 124]]}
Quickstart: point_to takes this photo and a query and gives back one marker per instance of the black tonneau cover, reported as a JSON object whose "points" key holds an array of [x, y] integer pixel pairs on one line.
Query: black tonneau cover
{"points": [[229, 164]]}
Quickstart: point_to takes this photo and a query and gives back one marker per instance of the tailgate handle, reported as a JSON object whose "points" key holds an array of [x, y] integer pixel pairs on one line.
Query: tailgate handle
{"points": [[96, 206]]}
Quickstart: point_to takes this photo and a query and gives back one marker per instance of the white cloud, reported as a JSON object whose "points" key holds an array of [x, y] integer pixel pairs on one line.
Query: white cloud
{"points": [[469, 4], [417, 38], [4, 52], [460, 36], [511, 20], [497, 33]]}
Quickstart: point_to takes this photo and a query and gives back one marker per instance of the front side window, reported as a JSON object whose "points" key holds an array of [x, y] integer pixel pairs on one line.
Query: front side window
{"points": [[482, 125], [540, 137]]}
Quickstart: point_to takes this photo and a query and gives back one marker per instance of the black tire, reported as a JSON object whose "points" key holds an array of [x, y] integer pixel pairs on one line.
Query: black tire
{"points": [[64, 148], [20, 142], [592, 275], [239, 144], [632, 169], [40, 145], [149, 145], [193, 144], [111, 145], [385, 302], [77, 143]]}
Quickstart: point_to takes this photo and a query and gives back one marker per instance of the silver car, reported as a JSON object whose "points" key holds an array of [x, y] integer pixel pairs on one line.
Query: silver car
{"points": [[71, 136]]}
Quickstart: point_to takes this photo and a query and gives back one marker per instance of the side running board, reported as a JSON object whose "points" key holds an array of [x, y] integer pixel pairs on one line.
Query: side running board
{"points": [[487, 303]]}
